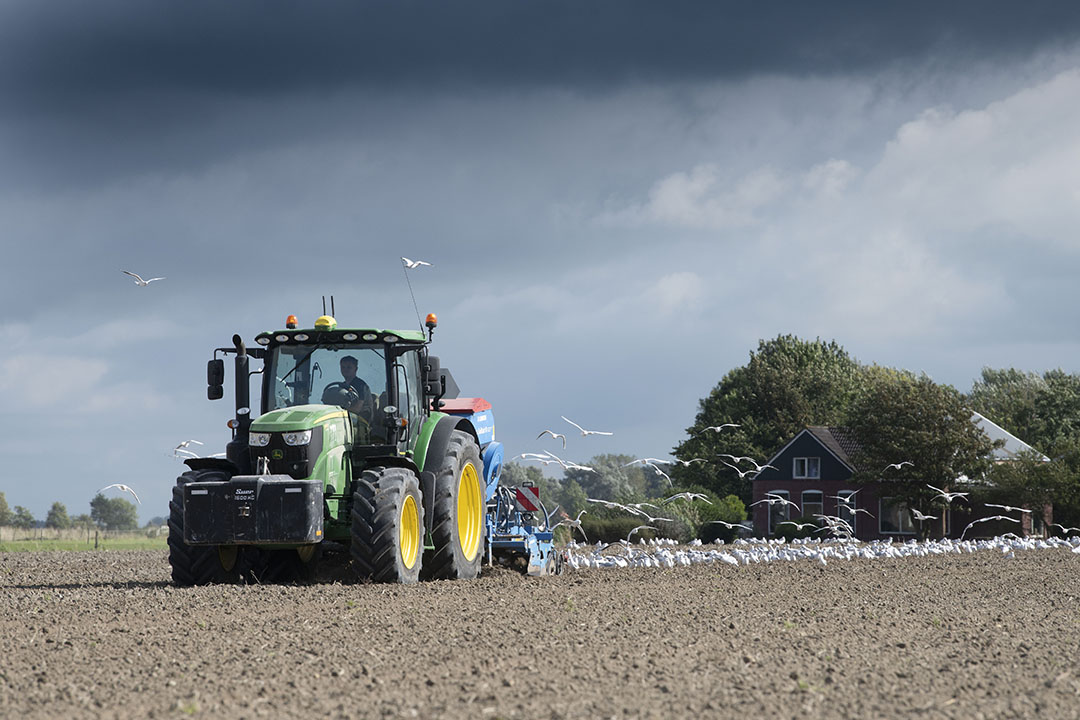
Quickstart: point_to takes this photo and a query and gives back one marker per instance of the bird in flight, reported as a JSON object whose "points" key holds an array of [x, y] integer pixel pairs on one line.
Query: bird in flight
{"points": [[948, 497], [1064, 529], [987, 519], [742, 473], [575, 523], [690, 496], [413, 264], [1008, 508], [139, 281], [584, 432], [639, 527], [798, 526], [553, 434], [920, 517], [718, 428], [688, 463], [123, 488], [899, 466]]}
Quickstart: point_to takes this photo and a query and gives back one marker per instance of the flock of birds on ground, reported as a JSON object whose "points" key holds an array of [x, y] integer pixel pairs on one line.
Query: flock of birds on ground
{"points": [[666, 553], [658, 552]]}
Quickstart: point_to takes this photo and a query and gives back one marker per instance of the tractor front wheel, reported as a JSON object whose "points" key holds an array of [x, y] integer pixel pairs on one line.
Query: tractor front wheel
{"points": [[458, 524], [387, 525], [197, 564]]}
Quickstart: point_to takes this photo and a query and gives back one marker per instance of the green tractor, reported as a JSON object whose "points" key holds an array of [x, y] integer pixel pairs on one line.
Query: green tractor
{"points": [[361, 445]]}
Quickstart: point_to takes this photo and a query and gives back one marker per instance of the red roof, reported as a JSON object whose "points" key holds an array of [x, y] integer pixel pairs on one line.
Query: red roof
{"points": [[464, 406]]}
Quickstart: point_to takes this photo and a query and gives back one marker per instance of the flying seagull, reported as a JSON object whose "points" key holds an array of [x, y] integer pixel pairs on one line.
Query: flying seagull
{"points": [[553, 434], [584, 432], [639, 527], [920, 517], [899, 466], [718, 428], [413, 264], [987, 519], [948, 497], [139, 281], [1007, 507], [123, 488]]}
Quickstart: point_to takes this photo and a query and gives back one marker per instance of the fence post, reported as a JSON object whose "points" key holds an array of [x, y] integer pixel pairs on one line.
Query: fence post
{"points": [[95, 539]]}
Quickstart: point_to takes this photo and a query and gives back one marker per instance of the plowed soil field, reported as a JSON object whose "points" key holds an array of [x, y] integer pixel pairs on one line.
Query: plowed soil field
{"points": [[965, 636]]}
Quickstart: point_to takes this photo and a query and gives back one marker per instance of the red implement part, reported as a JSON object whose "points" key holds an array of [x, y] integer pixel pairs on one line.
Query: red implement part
{"points": [[528, 498]]}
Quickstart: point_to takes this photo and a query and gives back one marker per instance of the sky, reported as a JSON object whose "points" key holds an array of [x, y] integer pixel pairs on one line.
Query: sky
{"points": [[618, 199]]}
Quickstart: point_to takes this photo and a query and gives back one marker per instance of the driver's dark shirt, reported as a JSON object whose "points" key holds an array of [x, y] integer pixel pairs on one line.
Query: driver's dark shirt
{"points": [[360, 386]]}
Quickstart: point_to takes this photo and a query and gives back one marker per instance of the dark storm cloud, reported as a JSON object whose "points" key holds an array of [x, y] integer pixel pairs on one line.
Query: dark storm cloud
{"points": [[57, 54]]}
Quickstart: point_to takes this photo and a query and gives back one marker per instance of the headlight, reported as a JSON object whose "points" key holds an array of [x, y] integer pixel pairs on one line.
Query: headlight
{"points": [[302, 437], [258, 439]]}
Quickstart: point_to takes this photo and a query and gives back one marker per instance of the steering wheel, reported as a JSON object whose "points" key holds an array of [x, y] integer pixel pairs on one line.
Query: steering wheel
{"points": [[341, 394]]}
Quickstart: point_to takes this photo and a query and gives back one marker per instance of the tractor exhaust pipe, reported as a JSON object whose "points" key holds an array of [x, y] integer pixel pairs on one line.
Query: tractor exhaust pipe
{"points": [[243, 390]]}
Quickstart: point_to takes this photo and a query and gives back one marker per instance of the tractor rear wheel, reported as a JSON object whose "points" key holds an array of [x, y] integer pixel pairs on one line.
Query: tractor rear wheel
{"points": [[197, 564], [458, 524], [387, 525]]}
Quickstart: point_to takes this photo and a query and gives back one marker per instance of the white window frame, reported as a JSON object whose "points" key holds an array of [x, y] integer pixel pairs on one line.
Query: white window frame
{"points": [[782, 510], [805, 474], [821, 502], [905, 513]]}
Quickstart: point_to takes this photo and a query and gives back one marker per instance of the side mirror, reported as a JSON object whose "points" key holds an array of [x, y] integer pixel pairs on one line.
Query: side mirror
{"points": [[432, 376], [215, 372], [215, 379]]}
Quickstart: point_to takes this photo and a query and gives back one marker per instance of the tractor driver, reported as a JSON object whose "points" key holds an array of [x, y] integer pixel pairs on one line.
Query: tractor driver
{"points": [[362, 406]]}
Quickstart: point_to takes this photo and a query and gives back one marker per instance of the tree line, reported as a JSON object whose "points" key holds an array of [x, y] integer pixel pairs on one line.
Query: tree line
{"points": [[111, 514], [892, 414]]}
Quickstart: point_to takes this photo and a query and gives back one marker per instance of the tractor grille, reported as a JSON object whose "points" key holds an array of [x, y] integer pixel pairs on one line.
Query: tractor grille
{"points": [[298, 462]]}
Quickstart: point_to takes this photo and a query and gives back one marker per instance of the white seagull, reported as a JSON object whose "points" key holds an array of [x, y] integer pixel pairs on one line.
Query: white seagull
{"points": [[413, 264], [122, 488], [987, 519], [575, 523], [1008, 508], [639, 527], [553, 434], [920, 517], [690, 496], [1064, 529], [742, 473], [899, 466], [139, 281], [718, 428], [584, 432], [948, 497]]}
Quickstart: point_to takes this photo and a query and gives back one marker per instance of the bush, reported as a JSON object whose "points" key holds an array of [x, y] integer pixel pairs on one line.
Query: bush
{"points": [[731, 510]]}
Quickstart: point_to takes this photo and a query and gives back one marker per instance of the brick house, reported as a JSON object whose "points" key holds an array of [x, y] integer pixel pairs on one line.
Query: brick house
{"points": [[814, 469]]}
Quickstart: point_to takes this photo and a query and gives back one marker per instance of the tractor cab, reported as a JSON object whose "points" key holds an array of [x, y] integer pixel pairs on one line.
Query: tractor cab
{"points": [[371, 377]]}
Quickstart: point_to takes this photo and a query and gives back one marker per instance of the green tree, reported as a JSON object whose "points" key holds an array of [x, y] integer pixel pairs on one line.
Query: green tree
{"points": [[116, 514], [903, 417], [23, 519], [6, 517], [1043, 411], [787, 385], [612, 477], [82, 521], [58, 517]]}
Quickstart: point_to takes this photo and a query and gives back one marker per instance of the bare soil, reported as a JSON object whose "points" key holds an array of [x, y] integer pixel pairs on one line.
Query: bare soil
{"points": [[106, 635]]}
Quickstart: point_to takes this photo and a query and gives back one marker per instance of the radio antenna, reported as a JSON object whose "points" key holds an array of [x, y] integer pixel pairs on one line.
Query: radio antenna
{"points": [[333, 312], [323, 304], [413, 296]]}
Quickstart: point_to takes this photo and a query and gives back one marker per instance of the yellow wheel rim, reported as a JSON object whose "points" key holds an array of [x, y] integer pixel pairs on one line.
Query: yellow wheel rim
{"points": [[227, 556], [306, 553], [409, 535], [469, 511]]}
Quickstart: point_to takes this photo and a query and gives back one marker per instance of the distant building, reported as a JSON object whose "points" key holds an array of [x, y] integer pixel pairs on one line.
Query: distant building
{"points": [[814, 470]]}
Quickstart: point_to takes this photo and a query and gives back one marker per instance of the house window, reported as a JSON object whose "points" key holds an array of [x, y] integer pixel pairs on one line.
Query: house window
{"points": [[778, 511], [894, 517], [813, 503], [845, 507], [807, 468]]}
